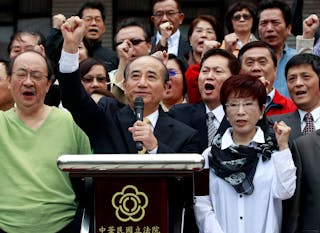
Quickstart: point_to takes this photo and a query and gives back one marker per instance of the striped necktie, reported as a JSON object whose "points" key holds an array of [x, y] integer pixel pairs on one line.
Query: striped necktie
{"points": [[309, 128], [211, 127]]}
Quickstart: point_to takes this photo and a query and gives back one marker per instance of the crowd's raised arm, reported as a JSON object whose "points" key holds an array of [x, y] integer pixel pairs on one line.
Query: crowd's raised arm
{"points": [[244, 99]]}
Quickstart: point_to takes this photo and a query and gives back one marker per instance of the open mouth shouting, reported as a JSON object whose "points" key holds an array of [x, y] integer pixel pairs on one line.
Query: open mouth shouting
{"points": [[93, 31], [209, 88], [28, 94], [300, 93]]}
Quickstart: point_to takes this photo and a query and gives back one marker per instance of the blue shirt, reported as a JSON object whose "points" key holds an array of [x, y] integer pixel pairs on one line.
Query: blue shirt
{"points": [[280, 83], [316, 49]]}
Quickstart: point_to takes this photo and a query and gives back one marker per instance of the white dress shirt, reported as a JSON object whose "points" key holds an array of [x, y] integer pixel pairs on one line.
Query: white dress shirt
{"points": [[173, 42], [218, 113], [226, 211], [316, 118], [69, 62]]}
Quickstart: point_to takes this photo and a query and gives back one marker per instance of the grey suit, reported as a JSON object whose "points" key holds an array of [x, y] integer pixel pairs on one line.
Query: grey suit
{"points": [[293, 121], [302, 211]]}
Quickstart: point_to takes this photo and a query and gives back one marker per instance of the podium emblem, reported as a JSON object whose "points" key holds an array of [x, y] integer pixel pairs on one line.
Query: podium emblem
{"points": [[130, 204]]}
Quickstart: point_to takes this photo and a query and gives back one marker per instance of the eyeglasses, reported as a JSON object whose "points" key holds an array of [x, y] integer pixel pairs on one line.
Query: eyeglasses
{"points": [[173, 73], [236, 106], [89, 79], [89, 19], [133, 42], [237, 17], [35, 75], [169, 14]]}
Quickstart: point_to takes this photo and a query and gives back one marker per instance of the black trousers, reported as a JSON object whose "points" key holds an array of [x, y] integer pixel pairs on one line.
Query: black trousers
{"points": [[72, 227]]}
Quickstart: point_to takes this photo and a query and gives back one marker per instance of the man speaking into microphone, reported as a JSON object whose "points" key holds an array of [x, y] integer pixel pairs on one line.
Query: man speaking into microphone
{"points": [[111, 126]]}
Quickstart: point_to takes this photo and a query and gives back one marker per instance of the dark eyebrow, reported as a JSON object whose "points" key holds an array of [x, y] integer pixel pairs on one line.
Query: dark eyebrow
{"points": [[152, 72]]}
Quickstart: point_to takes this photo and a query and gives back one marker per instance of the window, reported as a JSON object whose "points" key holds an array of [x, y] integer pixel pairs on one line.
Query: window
{"points": [[32, 15]]}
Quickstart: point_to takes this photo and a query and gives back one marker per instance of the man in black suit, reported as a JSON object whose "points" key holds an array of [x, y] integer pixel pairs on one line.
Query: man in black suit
{"points": [[112, 126], [217, 65], [167, 17]]}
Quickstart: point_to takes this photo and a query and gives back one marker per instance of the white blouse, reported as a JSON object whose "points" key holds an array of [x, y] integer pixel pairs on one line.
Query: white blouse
{"points": [[226, 211]]}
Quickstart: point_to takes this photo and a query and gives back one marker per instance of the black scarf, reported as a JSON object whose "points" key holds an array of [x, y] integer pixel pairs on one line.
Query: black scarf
{"points": [[237, 164]]}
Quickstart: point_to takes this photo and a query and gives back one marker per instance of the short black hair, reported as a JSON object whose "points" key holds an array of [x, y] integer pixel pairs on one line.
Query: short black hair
{"points": [[130, 22], [276, 4], [92, 5], [258, 44], [233, 64], [304, 59], [156, 1], [41, 40]]}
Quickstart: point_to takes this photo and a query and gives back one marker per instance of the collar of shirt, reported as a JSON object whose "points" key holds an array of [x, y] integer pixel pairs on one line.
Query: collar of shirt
{"points": [[218, 113], [287, 53], [251, 38], [153, 118], [173, 42], [315, 114], [227, 140], [285, 49], [112, 76], [271, 95]]}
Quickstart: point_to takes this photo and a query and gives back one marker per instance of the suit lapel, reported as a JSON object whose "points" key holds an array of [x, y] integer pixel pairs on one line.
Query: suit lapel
{"points": [[200, 117], [295, 123], [163, 128]]}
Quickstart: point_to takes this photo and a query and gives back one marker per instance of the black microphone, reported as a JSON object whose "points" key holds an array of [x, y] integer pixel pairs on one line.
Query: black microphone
{"points": [[138, 109]]}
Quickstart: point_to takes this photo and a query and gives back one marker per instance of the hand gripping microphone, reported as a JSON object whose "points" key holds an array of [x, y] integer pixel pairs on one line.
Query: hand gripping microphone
{"points": [[138, 109]]}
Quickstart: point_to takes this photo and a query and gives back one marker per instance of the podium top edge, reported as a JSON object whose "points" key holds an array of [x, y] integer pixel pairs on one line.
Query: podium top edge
{"points": [[131, 162]]}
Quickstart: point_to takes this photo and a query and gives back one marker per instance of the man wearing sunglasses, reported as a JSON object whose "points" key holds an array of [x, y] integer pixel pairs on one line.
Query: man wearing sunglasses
{"points": [[167, 18], [131, 40]]}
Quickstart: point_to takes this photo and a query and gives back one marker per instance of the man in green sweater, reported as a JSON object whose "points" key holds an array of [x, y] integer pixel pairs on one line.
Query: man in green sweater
{"points": [[35, 195]]}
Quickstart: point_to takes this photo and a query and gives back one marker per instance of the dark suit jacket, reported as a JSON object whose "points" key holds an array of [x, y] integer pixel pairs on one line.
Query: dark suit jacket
{"points": [[291, 119], [195, 116], [184, 45], [107, 123], [302, 211]]}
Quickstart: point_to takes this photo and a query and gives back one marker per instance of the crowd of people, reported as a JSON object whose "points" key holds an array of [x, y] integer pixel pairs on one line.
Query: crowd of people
{"points": [[245, 100]]}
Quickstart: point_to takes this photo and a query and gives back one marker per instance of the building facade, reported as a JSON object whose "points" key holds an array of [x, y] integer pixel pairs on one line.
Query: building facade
{"points": [[35, 15]]}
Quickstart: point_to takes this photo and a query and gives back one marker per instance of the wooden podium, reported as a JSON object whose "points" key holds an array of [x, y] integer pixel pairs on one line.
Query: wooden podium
{"points": [[135, 193]]}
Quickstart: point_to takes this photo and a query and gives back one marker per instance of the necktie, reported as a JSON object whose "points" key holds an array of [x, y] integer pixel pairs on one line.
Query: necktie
{"points": [[211, 127], [309, 128], [144, 150], [268, 100]]}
